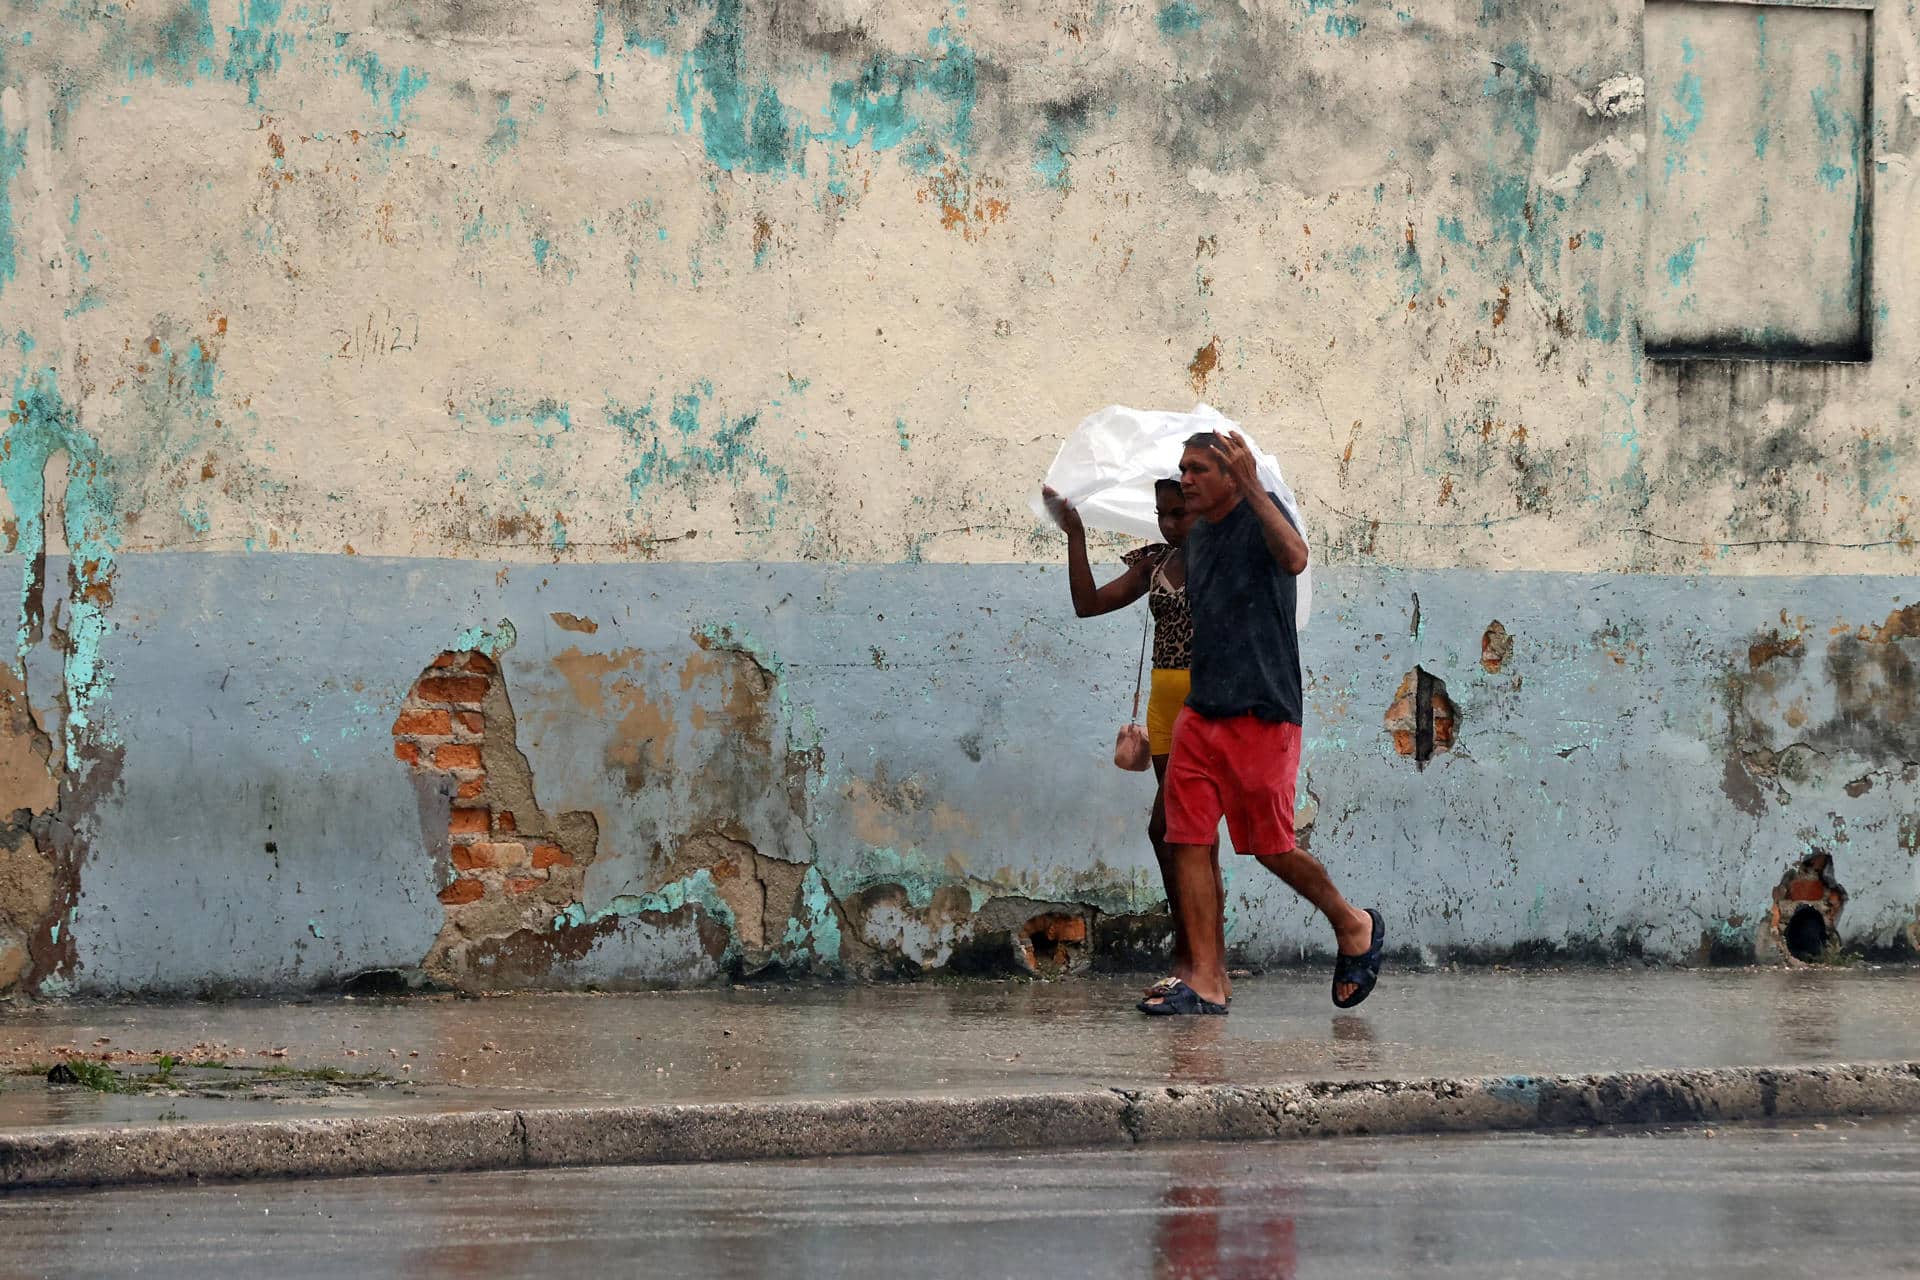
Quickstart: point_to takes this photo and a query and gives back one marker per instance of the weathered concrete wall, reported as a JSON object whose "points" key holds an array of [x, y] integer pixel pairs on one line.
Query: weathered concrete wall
{"points": [[675, 376]]}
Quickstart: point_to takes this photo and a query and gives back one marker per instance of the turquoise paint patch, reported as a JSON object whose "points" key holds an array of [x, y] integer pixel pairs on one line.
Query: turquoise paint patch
{"points": [[253, 47], [544, 412], [13, 157], [1507, 208], [1452, 229], [187, 41], [697, 890], [541, 248], [1338, 22], [494, 643], [399, 88], [1680, 264], [43, 426], [900, 428], [1054, 147], [691, 449], [1601, 326], [1179, 19], [480, 227], [506, 130], [813, 932], [1687, 96], [745, 126], [1839, 130]]}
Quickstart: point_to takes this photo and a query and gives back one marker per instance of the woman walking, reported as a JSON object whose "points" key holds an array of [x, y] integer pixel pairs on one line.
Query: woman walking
{"points": [[1157, 571]]}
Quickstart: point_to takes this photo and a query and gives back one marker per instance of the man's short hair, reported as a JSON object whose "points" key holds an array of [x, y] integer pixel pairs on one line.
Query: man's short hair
{"points": [[1167, 482], [1205, 440]]}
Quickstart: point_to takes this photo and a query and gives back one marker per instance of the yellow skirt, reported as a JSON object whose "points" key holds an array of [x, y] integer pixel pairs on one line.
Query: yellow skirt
{"points": [[1169, 694]]}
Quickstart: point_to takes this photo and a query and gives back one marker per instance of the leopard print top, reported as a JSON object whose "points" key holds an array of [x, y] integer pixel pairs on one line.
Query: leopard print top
{"points": [[1172, 620]]}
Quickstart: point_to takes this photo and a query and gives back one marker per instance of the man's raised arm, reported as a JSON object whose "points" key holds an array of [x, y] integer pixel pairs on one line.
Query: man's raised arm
{"points": [[1289, 548]]}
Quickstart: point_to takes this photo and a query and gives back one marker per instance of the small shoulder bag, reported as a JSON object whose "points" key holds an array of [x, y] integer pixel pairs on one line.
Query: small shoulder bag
{"points": [[1130, 748]]}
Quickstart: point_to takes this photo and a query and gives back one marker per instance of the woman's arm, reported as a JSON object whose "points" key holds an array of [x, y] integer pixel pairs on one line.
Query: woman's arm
{"points": [[1089, 600]]}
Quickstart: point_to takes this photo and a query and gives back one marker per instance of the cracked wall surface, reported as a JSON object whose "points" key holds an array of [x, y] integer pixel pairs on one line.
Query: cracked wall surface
{"points": [[322, 358]]}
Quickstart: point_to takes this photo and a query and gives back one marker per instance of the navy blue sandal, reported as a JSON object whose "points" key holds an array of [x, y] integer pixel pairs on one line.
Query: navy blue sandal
{"points": [[1181, 999], [1363, 971]]}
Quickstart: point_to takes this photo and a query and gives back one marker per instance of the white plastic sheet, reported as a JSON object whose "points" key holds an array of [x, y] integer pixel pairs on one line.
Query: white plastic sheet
{"points": [[1108, 466]]}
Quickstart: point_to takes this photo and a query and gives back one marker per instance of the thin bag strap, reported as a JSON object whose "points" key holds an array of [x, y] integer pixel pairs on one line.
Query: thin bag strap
{"points": [[1140, 677]]}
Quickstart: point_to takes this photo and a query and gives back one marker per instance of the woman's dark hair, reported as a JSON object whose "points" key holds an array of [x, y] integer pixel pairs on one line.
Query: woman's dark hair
{"points": [[1161, 486]]}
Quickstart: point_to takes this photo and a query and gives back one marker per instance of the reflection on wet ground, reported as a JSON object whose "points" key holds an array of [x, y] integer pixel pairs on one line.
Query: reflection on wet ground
{"points": [[1834, 1199]]}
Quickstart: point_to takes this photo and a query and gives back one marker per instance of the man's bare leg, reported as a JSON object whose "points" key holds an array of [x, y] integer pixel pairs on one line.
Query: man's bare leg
{"points": [[1195, 880], [1304, 874]]}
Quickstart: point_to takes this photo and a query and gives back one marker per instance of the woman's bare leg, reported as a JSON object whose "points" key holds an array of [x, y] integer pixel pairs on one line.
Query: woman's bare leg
{"points": [[1157, 833]]}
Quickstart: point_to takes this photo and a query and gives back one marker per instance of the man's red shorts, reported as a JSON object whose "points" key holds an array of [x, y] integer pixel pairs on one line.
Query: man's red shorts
{"points": [[1242, 769]]}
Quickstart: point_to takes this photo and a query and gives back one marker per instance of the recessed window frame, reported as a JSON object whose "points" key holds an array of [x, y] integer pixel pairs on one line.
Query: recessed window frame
{"points": [[1858, 351]]}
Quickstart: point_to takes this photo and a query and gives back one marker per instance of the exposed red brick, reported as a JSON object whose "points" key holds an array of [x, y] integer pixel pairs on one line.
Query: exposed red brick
{"points": [[471, 787], [501, 857], [464, 822], [407, 752], [1806, 890], [524, 884], [550, 855], [503, 820], [451, 689], [462, 891], [482, 663], [472, 721], [463, 858], [457, 755], [1069, 929], [446, 660], [428, 722]]}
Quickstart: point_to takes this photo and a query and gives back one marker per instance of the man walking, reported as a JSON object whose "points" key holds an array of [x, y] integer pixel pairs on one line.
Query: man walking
{"points": [[1236, 745]]}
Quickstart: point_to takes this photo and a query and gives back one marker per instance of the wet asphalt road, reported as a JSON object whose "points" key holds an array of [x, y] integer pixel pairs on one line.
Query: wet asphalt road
{"points": [[1841, 1200]]}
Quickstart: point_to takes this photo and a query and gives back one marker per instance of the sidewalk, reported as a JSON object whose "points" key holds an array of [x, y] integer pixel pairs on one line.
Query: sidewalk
{"points": [[946, 1043]]}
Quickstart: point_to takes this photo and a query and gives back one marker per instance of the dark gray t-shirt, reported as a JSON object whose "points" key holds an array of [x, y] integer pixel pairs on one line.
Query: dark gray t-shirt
{"points": [[1246, 651]]}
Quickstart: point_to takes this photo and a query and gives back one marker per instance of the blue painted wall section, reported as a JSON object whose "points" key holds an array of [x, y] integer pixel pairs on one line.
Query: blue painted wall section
{"points": [[858, 810]]}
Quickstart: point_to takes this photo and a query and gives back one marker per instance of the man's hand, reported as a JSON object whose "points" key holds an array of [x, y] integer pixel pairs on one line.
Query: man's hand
{"points": [[1062, 512], [1237, 460], [1289, 549]]}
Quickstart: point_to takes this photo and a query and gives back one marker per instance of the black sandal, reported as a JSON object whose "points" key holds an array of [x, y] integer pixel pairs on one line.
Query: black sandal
{"points": [[1363, 970], [1182, 999]]}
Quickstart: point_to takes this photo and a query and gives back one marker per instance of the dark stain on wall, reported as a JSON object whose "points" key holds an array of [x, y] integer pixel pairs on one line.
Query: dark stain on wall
{"points": [[1869, 672]]}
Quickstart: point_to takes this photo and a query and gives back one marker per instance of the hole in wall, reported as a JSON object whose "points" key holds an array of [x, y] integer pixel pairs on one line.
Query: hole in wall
{"points": [[1422, 718], [1496, 647], [1052, 943], [1806, 933], [1807, 903]]}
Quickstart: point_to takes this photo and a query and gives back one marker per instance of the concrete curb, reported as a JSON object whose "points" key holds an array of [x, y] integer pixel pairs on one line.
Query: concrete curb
{"points": [[471, 1141]]}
